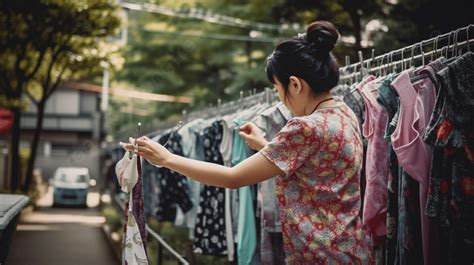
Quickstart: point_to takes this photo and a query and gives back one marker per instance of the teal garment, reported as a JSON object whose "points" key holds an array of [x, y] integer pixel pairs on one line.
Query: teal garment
{"points": [[246, 230]]}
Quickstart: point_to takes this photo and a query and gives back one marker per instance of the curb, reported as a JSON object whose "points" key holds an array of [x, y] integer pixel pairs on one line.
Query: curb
{"points": [[117, 253]]}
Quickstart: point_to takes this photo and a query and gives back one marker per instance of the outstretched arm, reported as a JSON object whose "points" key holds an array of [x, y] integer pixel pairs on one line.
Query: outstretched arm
{"points": [[250, 171]]}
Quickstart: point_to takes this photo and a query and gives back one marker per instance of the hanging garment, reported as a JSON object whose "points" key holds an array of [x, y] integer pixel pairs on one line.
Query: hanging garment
{"points": [[185, 219], [354, 100], [230, 195], [246, 232], [174, 189], [450, 131], [388, 99], [416, 105], [377, 171], [129, 178], [271, 121], [403, 239], [192, 148], [319, 194], [209, 233]]}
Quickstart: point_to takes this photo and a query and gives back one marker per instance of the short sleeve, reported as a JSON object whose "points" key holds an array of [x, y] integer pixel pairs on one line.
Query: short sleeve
{"points": [[292, 146]]}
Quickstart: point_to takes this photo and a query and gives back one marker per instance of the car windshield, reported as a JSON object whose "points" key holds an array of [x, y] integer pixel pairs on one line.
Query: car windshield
{"points": [[72, 178]]}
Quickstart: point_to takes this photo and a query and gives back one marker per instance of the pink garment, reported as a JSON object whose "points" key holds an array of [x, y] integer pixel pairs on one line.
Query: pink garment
{"points": [[377, 171], [416, 105]]}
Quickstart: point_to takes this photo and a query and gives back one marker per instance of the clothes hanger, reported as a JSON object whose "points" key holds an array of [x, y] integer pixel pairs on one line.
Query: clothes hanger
{"points": [[453, 55], [369, 62], [346, 70], [433, 50], [362, 68], [403, 60], [391, 65], [468, 40], [379, 66], [412, 56], [422, 54]]}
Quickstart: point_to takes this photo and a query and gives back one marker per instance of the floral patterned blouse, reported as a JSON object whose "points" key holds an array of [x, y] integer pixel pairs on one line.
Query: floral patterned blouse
{"points": [[319, 194]]}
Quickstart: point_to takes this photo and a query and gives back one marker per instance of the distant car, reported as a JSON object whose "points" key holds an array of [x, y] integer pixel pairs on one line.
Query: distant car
{"points": [[71, 185]]}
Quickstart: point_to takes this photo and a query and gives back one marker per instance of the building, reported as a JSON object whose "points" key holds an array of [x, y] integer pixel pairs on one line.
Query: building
{"points": [[72, 130]]}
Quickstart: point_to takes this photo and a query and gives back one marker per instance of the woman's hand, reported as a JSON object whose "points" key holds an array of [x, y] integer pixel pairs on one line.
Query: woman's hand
{"points": [[152, 151], [253, 136]]}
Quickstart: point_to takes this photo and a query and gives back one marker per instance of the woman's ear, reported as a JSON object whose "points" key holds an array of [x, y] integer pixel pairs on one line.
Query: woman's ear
{"points": [[295, 84]]}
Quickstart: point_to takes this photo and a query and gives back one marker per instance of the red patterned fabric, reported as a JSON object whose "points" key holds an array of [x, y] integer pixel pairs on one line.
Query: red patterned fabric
{"points": [[319, 195]]}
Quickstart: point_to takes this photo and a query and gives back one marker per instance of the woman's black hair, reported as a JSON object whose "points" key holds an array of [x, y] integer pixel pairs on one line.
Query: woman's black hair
{"points": [[307, 56]]}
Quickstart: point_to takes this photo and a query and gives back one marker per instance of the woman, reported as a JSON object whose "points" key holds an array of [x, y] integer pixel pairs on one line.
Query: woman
{"points": [[317, 156]]}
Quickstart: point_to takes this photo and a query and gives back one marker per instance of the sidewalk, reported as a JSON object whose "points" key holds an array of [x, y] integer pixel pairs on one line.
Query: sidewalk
{"points": [[57, 236]]}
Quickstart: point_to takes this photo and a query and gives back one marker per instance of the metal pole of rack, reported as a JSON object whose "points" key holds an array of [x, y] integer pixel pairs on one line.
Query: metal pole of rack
{"points": [[419, 56], [425, 42]]}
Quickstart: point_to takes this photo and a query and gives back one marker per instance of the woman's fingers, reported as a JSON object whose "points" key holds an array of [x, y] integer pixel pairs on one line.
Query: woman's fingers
{"points": [[247, 127], [144, 152], [243, 134], [142, 148], [143, 141], [127, 146]]}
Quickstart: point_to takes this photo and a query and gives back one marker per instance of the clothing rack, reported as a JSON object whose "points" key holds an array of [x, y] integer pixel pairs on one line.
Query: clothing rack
{"points": [[448, 45], [242, 103]]}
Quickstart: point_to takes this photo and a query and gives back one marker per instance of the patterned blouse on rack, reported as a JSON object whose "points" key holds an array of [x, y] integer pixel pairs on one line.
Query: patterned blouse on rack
{"points": [[209, 233]]}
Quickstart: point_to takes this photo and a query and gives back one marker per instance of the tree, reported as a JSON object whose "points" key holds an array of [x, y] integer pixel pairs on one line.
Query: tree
{"points": [[407, 21], [64, 39], [348, 15], [163, 58]]}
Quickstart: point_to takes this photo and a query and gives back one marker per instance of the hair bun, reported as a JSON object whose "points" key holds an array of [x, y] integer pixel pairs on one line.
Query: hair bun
{"points": [[322, 37]]}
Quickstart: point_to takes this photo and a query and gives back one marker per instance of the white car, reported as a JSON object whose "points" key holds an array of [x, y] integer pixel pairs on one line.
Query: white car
{"points": [[71, 185]]}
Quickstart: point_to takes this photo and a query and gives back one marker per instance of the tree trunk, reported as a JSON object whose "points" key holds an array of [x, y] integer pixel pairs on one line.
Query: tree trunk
{"points": [[15, 150], [355, 18], [34, 145], [248, 49]]}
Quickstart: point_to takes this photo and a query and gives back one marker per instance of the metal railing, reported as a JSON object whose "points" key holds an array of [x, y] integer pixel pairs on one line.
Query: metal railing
{"points": [[162, 244]]}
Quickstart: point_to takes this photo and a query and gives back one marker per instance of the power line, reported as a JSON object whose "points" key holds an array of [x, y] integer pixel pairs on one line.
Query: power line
{"points": [[211, 17], [214, 36]]}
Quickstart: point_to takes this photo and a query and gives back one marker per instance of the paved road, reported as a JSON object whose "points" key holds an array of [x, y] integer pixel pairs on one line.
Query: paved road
{"points": [[60, 236]]}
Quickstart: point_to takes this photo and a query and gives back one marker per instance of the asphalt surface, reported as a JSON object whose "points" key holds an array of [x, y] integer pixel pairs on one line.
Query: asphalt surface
{"points": [[60, 236]]}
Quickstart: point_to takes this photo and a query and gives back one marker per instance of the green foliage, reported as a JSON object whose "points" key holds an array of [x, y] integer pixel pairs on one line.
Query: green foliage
{"points": [[207, 69], [45, 42], [160, 59], [409, 22], [113, 218]]}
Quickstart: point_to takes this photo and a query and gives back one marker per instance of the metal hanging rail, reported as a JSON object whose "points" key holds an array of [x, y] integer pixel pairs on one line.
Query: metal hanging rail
{"points": [[432, 43], [392, 66]]}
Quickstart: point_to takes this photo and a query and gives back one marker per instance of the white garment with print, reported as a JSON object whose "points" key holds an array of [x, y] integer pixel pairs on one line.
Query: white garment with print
{"points": [[133, 250]]}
